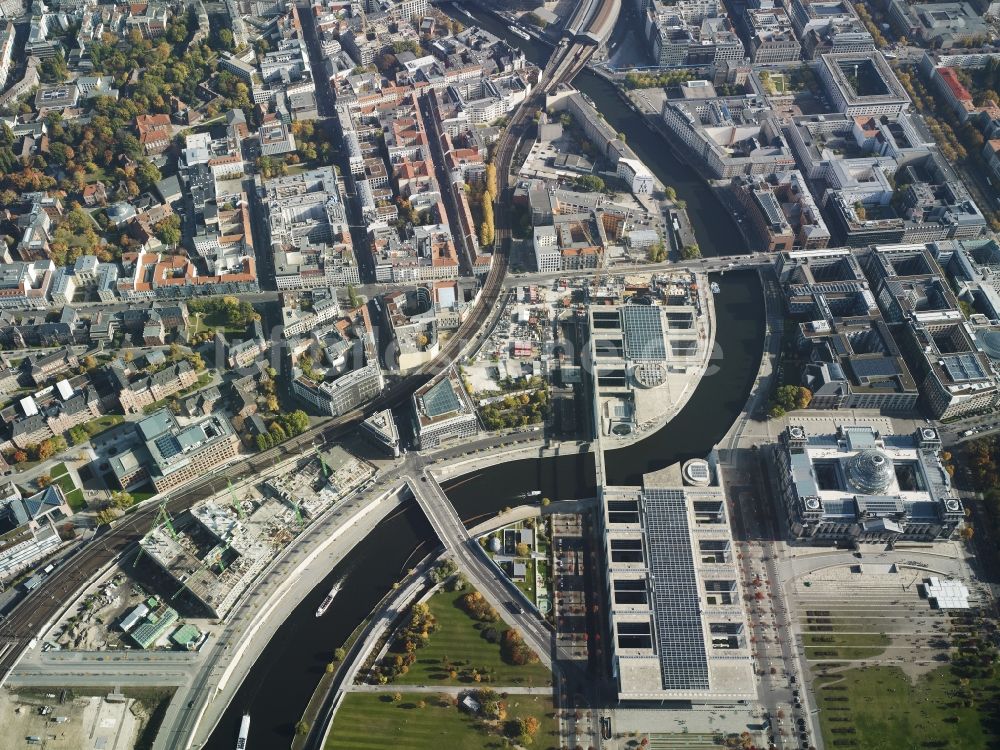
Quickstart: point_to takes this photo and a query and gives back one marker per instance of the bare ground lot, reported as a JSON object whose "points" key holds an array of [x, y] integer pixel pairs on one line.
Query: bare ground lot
{"points": [[80, 720]]}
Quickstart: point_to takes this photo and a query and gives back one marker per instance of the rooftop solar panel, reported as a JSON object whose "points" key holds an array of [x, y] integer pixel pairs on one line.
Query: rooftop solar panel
{"points": [[643, 332], [168, 446], [679, 635], [963, 367]]}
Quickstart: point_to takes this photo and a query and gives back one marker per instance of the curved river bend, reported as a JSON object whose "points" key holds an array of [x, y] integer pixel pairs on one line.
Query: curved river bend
{"points": [[282, 680]]}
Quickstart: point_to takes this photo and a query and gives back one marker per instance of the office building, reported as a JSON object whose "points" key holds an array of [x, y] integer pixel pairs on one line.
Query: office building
{"points": [[862, 84], [443, 412], [679, 631]]}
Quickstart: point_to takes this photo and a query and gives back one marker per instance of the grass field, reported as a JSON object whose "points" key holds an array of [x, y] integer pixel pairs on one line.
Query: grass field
{"points": [[370, 720], [528, 584], [74, 495], [458, 641], [99, 425], [844, 645], [887, 712], [76, 500]]}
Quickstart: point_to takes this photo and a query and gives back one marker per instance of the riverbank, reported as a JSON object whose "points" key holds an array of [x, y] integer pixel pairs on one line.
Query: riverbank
{"points": [[322, 548], [362, 641], [300, 649], [358, 648]]}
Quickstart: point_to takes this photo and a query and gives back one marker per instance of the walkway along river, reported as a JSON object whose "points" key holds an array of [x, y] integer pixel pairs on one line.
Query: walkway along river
{"points": [[280, 683], [714, 226]]}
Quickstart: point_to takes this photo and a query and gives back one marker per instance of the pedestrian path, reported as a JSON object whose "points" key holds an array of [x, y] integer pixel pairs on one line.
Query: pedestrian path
{"points": [[449, 689], [683, 741]]}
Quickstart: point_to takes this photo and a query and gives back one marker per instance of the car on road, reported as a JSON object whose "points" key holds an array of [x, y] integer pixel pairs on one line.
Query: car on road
{"points": [[514, 608]]}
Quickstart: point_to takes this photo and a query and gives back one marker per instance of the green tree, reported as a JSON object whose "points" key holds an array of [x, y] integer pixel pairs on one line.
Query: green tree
{"points": [[590, 182], [168, 231], [299, 421], [122, 500], [657, 253], [691, 252], [54, 69]]}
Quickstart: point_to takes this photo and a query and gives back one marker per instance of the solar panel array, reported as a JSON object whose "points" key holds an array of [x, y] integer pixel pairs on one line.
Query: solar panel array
{"points": [[963, 367], [168, 446], [875, 367], [643, 329], [679, 635]]}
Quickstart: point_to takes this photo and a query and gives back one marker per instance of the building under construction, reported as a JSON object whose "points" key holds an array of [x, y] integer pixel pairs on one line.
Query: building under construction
{"points": [[225, 543], [218, 555], [312, 489]]}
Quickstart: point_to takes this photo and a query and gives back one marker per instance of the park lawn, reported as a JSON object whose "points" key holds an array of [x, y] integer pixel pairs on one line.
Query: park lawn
{"points": [[65, 482], [218, 319], [97, 175], [99, 425], [528, 584], [889, 713], [58, 470], [75, 500], [370, 720], [458, 641], [844, 645]]}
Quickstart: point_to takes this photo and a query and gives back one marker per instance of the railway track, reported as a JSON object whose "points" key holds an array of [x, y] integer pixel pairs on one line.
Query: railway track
{"points": [[43, 604]]}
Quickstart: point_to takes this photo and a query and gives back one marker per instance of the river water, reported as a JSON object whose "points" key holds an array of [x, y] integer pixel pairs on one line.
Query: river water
{"points": [[281, 682]]}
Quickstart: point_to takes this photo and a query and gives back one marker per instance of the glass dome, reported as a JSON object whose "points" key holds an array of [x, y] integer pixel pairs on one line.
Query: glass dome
{"points": [[870, 472]]}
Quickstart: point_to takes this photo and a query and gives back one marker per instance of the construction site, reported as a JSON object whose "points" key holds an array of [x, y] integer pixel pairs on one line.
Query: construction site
{"points": [[61, 719], [189, 572]]}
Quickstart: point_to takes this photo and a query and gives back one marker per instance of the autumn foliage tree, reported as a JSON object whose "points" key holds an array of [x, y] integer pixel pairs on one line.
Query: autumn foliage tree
{"points": [[487, 231], [477, 607], [491, 179], [514, 650]]}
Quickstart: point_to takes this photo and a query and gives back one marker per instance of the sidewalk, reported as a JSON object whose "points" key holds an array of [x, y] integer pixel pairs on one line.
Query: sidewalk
{"points": [[264, 608], [449, 689]]}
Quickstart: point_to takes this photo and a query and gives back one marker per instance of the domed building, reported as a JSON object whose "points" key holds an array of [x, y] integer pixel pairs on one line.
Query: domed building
{"points": [[870, 471], [859, 486]]}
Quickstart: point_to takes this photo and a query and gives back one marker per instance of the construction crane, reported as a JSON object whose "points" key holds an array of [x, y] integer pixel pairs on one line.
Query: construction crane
{"points": [[236, 503], [222, 554], [162, 517], [322, 463]]}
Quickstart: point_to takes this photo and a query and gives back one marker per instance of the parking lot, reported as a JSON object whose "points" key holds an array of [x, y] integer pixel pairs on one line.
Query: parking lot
{"points": [[570, 597]]}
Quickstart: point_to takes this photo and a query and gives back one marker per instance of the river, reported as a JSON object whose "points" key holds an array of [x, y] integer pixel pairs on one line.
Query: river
{"points": [[714, 226], [282, 680]]}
